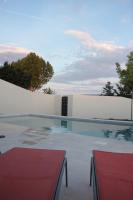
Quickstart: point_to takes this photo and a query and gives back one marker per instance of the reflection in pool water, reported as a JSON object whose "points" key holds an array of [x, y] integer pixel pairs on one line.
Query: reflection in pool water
{"points": [[45, 126], [126, 134]]}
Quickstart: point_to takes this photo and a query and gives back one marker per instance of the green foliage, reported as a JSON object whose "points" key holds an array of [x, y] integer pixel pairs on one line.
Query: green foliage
{"points": [[122, 90], [48, 91], [125, 85], [15, 76], [108, 90], [32, 72], [126, 76]]}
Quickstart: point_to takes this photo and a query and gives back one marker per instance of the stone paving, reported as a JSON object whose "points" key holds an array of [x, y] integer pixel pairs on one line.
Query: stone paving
{"points": [[78, 148]]}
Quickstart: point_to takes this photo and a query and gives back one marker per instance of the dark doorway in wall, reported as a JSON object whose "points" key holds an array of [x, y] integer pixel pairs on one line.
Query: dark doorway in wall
{"points": [[64, 106]]}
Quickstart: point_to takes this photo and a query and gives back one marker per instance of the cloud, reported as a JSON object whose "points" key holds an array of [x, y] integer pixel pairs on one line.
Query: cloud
{"points": [[13, 12], [90, 42], [13, 49], [95, 62], [87, 68], [98, 59], [93, 86], [11, 53]]}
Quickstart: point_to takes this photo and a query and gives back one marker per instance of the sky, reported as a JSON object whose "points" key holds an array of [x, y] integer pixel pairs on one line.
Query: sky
{"points": [[82, 39]]}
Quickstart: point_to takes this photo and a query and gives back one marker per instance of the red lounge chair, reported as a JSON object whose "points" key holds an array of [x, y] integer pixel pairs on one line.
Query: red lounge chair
{"points": [[112, 175], [31, 174]]}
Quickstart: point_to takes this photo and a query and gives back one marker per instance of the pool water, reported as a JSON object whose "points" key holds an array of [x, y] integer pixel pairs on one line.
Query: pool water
{"points": [[42, 125]]}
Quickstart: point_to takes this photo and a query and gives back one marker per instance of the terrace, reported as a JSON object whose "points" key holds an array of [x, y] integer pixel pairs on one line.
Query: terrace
{"points": [[78, 147], [79, 150]]}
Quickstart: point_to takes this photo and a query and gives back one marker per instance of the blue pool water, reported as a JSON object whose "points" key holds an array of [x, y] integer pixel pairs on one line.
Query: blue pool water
{"points": [[50, 126]]}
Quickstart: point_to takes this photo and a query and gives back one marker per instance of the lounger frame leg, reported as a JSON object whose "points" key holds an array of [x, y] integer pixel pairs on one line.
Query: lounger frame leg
{"points": [[93, 180], [66, 173], [64, 167], [91, 172]]}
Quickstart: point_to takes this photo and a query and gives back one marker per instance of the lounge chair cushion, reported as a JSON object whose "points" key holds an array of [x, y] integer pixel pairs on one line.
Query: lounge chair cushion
{"points": [[30, 174], [114, 175]]}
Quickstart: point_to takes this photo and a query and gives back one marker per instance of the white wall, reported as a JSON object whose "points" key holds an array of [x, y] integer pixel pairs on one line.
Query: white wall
{"points": [[57, 104], [100, 107], [70, 105], [16, 100]]}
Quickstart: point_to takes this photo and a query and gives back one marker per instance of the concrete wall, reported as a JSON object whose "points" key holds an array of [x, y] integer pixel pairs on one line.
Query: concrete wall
{"points": [[70, 105], [16, 100], [57, 105], [100, 107]]}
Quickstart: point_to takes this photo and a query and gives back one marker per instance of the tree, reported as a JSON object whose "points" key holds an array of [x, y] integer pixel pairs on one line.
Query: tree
{"points": [[15, 76], [108, 90], [126, 75], [48, 91], [30, 72], [125, 85], [122, 90]]}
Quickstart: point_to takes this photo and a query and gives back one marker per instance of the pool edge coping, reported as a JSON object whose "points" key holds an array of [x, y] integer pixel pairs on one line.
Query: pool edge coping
{"points": [[100, 121]]}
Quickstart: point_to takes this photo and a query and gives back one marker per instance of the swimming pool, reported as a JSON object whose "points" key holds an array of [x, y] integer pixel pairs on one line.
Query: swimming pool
{"points": [[45, 125]]}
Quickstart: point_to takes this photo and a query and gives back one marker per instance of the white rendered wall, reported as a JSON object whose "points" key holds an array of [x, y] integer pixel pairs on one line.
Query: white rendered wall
{"points": [[104, 107], [16, 100], [70, 105], [57, 104]]}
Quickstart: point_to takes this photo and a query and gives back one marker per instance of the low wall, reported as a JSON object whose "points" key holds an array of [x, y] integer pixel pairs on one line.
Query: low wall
{"points": [[16, 100], [103, 107]]}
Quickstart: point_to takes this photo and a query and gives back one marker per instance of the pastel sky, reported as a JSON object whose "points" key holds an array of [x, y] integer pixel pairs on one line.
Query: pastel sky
{"points": [[82, 39]]}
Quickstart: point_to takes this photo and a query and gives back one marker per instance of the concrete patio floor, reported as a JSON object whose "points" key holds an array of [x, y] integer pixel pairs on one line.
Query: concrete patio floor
{"points": [[78, 148]]}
